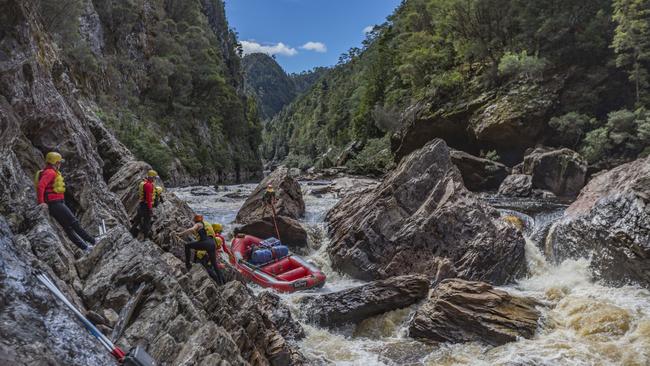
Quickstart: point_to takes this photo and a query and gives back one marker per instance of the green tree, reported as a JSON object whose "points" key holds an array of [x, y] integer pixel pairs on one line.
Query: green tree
{"points": [[632, 40]]}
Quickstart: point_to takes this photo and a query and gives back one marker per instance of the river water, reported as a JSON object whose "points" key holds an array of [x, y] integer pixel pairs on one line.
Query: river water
{"points": [[583, 323]]}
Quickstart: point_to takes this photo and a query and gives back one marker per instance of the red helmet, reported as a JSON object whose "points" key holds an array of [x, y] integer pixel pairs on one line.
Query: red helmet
{"points": [[198, 218]]}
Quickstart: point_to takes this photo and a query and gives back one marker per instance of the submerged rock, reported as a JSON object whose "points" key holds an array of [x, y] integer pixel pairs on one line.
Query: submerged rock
{"points": [[291, 232], [289, 201], [418, 217], [356, 304], [459, 311], [479, 174], [610, 222]]}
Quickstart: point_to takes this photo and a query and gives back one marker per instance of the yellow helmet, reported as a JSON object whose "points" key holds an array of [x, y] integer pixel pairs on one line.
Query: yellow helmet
{"points": [[53, 157], [217, 228], [159, 189], [152, 173]]}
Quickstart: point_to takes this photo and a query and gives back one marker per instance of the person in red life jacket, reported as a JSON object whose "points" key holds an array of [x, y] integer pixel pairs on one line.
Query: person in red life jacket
{"points": [[146, 193], [205, 241], [50, 193]]}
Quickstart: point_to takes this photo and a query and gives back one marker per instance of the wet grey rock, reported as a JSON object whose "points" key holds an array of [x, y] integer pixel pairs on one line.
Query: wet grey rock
{"points": [[359, 303], [289, 201], [460, 311], [418, 216], [273, 307], [41, 109], [610, 222], [562, 171], [203, 191], [291, 232], [479, 174], [517, 185]]}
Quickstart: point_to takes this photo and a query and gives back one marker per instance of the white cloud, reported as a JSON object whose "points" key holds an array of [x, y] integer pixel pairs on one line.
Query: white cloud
{"points": [[368, 29], [273, 49], [315, 46]]}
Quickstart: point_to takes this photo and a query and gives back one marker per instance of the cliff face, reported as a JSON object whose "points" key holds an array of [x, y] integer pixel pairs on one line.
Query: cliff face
{"points": [[165, 78], [183, 318]]}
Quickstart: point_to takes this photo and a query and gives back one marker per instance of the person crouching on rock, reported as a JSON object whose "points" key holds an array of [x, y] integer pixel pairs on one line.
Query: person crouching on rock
{"points": [[142, 219], [50, 193], [205, 242]]}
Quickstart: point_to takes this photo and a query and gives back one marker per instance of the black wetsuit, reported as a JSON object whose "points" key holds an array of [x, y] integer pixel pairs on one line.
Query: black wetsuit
{"points": [[205, 243], [142, 221], [66, 218]]}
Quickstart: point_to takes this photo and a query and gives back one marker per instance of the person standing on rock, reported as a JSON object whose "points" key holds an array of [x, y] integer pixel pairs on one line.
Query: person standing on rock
{"points": [[142, 219], [205, 241], [50, 193], [269, 199]]}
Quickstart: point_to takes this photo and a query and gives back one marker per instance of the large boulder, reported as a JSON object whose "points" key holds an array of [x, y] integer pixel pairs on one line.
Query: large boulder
{"points": [[291, 232], [517, 185], [420, 216], [359, 303], [610, 222], [460, 311], [288, 193], [479, 174], [562, 171]]}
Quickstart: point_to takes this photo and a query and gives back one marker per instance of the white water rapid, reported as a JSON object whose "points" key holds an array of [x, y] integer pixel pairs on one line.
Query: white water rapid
{"points": [[583, 323]]}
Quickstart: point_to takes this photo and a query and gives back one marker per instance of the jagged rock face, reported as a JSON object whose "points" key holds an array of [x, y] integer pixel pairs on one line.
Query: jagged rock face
{"points": [[610, 221], [420, 215], [516, 117], [562, 172], [508, 119], [517, 185], [290, 231], [183, 318], [479, 174], [280, 315], [289, 201], [359, 303], [460, 311], [35, 328]]}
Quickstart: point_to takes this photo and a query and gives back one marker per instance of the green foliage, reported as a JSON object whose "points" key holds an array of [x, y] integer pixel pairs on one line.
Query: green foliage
{"points": [[375, 158], [171, 74], [570, 128], [143, 142], [625, 134], [493, 155], [632, 41], [520, 64], [446, 53]]}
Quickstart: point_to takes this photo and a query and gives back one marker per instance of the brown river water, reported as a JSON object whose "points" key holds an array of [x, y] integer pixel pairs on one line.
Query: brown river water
{"points": [[584, 322]]}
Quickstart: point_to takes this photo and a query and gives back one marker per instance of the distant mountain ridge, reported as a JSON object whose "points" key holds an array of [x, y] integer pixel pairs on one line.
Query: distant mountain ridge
{"points": [[271, 86]]}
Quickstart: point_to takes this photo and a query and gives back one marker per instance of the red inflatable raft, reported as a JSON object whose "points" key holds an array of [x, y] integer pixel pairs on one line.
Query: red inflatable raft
{"points": [[287, 274]]}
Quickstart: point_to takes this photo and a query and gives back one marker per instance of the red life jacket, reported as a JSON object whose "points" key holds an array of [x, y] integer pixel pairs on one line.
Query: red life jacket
{"points": [[50, 186]]}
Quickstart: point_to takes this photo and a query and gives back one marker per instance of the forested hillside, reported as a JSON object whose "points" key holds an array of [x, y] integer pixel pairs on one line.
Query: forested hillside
{"points": [[272, 88], [166, 77], [492, 77]]}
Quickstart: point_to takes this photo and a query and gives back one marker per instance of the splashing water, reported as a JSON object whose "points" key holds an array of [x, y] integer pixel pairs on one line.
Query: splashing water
{"points": [[583, 322]]}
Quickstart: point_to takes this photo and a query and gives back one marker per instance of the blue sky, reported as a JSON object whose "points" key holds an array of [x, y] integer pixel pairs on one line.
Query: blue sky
{"points": [[305, 33]]}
